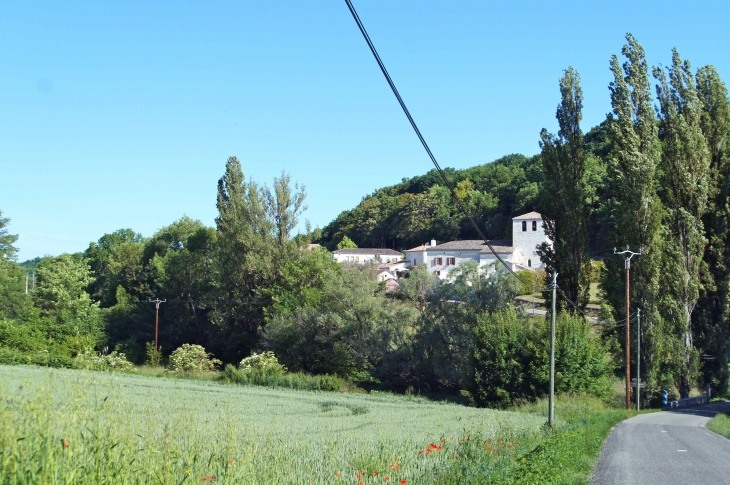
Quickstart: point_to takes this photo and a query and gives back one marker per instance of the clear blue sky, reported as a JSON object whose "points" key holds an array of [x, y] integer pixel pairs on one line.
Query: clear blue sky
{"points": [[122, 114]]}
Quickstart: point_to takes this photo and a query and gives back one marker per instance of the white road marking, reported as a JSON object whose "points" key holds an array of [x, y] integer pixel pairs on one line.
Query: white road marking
{"points": [[681, 450], [663, 431]]}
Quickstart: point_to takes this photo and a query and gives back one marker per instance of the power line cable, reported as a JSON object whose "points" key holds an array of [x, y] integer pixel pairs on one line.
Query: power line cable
{"points": [[448, 184], [425, 145]]}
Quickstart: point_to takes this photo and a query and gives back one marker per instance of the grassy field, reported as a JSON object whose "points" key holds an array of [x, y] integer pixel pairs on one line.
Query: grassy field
{"points": [[720, 424], [70, 426]]}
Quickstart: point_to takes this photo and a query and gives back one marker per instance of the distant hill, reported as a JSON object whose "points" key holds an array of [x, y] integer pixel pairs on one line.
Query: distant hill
{"points": [[421, 208]]}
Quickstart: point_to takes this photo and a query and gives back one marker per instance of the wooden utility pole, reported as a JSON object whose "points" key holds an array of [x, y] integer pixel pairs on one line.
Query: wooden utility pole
{"points": [[628, 254], [157, 302]]}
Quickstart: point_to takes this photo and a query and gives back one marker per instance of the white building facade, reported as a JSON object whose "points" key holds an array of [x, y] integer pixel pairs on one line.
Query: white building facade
{"points": [[528, 234], [367, 255], [520, 253]]}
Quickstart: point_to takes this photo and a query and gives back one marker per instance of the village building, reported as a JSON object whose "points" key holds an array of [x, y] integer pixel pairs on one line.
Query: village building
{"points": [[367, 255], [519, 253]]}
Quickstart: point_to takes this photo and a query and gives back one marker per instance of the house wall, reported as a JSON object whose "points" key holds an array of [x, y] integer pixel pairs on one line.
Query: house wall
{"points": [[488, 259], [526, 242], [443, 270], [364, 258], [416, 258]]}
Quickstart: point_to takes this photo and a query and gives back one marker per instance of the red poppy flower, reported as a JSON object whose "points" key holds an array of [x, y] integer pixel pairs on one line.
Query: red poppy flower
{"points": [[443, 441], [361, 483], [456, 457], [402, 482], [211, 478], [387, 478], [433, 446], [337, 474], [429, 451], [375, 473], [204, 478], [420, 452], [65, 443]]}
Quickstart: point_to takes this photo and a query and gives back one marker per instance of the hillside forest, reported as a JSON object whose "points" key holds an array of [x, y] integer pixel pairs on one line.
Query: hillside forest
{"points": [[653, 175]]}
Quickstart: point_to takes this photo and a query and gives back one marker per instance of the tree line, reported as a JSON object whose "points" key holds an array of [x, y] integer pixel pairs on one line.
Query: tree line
{"points": [[652, 175]]}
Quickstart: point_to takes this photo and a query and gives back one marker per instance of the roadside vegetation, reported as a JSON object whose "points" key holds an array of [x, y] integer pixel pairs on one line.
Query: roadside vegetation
{"points": [[720, 424], [60, 425]]}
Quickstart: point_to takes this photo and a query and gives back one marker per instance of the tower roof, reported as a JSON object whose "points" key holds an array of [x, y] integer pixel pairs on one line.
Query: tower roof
{"points": [[529, 215]]}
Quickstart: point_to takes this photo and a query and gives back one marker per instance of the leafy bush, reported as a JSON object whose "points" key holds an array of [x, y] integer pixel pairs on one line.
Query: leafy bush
{"points": [[497, 371], [531, 281], [192, 358], [596, 268], [264, 363], [290, 380], [105, 362], [10, 356], [510, 359]]}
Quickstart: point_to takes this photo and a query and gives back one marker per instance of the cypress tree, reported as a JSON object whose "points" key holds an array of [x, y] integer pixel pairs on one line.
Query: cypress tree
{"points": [[685, 182], [713, 307], [631, 169], [563, 209]]}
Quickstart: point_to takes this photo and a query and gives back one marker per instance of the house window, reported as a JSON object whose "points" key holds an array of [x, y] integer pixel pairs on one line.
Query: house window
{"points": [[524, 226], [529, 263], [440, 261], [415, 261], [451, 261], [534, 225], [437, 273]]}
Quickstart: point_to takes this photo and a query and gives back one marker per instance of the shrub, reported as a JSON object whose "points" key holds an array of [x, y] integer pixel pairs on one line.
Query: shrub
{"points": [[290, 380], [264, 363], [510, 359], [497, 371], [115, 361], [596, 268], [10, 356], [530, 281], [192, 358]]}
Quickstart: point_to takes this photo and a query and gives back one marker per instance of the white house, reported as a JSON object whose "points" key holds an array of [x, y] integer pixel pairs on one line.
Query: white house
{"points": [[389, 271], [520, 253], [418, 255], [367, 255]]}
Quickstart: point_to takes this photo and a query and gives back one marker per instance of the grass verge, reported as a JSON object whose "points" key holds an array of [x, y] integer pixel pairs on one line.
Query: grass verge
{"points": [[720, 424], [565, 454]]}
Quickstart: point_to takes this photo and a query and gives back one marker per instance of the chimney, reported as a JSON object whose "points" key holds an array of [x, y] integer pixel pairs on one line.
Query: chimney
{"points": [[433, 242]]}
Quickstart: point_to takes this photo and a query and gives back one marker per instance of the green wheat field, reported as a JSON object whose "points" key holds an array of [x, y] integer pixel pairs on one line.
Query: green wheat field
{"points": [[76, 427]]}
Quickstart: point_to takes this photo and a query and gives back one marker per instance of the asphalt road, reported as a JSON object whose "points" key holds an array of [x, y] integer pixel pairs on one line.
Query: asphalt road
{"points": [[669, 447]]}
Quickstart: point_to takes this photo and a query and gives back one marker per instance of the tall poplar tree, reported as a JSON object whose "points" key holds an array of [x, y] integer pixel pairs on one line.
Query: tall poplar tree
{"points": [[563, 210], [713, 307], [631, 168], [246, 262], [685, 182]]}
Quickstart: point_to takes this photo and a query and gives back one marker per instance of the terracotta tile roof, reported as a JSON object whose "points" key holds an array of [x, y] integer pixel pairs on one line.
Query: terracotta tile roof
{"points": [[422, 247], [391, 265], [529, 215], [373, 251]]}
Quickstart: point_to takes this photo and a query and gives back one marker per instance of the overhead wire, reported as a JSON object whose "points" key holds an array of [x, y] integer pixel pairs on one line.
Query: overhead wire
{"points": [[425, 145], [448, 184]]}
